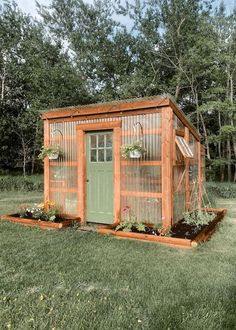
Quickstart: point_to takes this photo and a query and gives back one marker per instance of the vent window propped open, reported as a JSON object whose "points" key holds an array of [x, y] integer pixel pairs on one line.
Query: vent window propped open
{"points": [[183, 147]]}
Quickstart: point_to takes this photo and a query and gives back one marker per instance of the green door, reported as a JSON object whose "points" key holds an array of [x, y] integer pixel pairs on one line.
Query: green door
{"points": [[99, 171]]}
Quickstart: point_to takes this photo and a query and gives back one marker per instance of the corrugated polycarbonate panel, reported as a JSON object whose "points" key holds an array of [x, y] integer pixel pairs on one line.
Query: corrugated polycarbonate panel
{"points": [[179, 175], [178, 123], [63, 172], [193, 173], [179, 206], [132, 132], [136, 178], [141, 178], [145, 210]]}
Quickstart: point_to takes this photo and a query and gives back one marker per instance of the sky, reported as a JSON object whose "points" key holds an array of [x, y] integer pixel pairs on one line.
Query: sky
{"points": [[28, 6]]}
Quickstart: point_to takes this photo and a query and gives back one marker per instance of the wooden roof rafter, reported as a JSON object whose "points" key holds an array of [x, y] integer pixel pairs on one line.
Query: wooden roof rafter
{"points": [[122, 106]]}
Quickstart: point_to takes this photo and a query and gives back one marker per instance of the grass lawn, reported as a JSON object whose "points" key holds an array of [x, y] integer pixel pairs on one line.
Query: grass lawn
{"points": [[80, 280]]}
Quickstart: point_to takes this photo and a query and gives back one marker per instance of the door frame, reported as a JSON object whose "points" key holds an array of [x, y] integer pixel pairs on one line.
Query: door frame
{"points": [[81, 130]]}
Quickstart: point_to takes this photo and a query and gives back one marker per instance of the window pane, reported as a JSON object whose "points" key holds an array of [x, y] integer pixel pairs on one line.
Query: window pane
{"points": [[108, 155], [93, 155], [109, 140], [100, 141], [93, 141], [101, 155]]}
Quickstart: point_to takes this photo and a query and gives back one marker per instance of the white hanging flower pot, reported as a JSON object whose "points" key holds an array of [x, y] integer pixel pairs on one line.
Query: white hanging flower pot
{"points": [[52, 152], [135, 154], [53, 156]]}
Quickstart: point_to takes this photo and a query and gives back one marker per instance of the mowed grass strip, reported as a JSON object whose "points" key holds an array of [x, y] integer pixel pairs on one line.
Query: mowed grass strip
{"points": [[10, 201], [80, 280]]}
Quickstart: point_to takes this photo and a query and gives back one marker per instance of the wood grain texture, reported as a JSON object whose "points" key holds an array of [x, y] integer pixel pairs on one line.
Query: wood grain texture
{"points": [[107, 108], [187, 164], [99, 126], [46, 162], [81, 174], [167, 167], [200, 177], [107, 116], [117, 174], [37, 223], [179, 132], [142, 194], [136, 162]]}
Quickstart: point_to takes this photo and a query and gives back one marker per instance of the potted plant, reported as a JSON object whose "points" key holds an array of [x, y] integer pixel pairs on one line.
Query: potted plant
{"points": [[134, 150], [52, 152]]}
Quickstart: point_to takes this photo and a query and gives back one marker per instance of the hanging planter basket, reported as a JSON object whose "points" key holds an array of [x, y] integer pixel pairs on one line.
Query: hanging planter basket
{"points": [[135, 154], [53, 156], [52, 152], [134, 150]]}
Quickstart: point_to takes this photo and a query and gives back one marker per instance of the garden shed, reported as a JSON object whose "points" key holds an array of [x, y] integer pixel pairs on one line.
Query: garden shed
{"points": [[92, 181]]}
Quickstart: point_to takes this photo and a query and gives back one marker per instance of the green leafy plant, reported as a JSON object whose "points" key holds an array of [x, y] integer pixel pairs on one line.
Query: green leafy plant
{"points": [[130, 221], [49, 151], [127, 148], [45, 211], [131, 226], [162, 231], [221, 189], [21, 183], [198, 218]]}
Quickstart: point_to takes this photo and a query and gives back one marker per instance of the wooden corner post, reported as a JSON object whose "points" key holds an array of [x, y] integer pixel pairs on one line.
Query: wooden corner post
{"points": [[46, 161], [187, 166], [200, 175], [167, 166]]}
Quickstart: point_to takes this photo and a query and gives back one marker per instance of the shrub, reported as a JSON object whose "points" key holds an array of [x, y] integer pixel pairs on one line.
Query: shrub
{"points": [[198, 218], [20, 183], [221, 189]]}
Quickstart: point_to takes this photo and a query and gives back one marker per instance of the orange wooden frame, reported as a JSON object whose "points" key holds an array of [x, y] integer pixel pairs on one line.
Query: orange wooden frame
{"points": [[163, 105], [167, 167], [46, 162], [111, 109], [81, 130]]}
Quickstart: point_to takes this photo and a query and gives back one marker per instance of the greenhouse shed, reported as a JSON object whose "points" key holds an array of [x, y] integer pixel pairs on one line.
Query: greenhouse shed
{"points": [[92, 181]]}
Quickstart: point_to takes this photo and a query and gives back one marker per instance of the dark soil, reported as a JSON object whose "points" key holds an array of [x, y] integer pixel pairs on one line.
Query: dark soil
{"points": [[183, 230], [179, 230], [28, 216]]}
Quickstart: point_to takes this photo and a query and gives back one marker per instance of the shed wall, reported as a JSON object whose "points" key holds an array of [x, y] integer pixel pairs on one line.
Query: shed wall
{"points": [[185, 170], [141, 179]]}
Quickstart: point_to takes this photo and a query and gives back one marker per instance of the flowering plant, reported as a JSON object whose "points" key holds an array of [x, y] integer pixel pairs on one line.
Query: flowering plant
{"points": [[44, 211], [127, 148], [50, 151]]}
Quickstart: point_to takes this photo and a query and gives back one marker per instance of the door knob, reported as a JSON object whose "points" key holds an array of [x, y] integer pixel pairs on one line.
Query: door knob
{"points": [[87, 180]]}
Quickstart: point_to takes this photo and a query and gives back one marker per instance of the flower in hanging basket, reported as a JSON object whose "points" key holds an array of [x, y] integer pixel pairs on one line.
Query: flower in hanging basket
{"points": [[52, 152], [133, 150]]}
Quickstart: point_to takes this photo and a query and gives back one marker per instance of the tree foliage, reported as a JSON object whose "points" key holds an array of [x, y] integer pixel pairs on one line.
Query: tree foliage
{"points": [[81, 52]]}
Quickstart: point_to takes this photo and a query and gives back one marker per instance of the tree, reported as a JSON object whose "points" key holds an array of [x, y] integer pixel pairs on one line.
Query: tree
{"points": [[35, 73]]}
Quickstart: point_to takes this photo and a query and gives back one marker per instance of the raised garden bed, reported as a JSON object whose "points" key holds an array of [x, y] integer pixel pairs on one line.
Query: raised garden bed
{"points": [[38, 223], [181, 234]]}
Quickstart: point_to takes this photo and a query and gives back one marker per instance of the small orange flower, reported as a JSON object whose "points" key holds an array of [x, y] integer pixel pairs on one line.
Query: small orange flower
{"points": [[49, 204]]}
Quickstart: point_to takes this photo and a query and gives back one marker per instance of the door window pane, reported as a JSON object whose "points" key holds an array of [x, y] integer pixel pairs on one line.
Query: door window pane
{"points": [[101, 147], [109, 155], [93, 141], [93, 155], [101, 155], [108, 140], [100, 141]]}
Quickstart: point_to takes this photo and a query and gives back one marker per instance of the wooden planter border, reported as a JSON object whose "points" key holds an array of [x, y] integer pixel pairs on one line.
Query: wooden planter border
{"points": [[37, 223], [204, 235]]}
